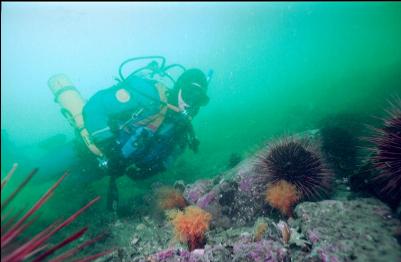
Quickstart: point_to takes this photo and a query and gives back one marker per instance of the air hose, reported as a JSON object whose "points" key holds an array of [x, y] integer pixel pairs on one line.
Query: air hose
{"points": [[136, 59], [157, 69], [153, 66]]}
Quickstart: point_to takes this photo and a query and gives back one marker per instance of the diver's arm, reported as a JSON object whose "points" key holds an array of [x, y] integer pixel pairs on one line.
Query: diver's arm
{"points": [[192, 140]]}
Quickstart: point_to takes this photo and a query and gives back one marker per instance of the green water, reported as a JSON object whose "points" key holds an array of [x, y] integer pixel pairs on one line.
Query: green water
{"points": [[280, 68]]}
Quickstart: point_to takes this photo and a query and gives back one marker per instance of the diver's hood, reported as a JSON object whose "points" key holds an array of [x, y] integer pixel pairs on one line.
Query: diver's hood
{"points": [[193, 84]]}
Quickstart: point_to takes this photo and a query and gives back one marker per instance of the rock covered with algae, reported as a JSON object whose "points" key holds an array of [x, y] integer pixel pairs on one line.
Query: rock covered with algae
{"points": [[360, 229], [363, 229], [357, 230], [233, 198]]}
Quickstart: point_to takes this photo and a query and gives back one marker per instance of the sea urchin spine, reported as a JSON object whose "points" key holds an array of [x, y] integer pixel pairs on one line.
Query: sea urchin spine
{"points": [[13, 249], [298, 162], [387, 155]]}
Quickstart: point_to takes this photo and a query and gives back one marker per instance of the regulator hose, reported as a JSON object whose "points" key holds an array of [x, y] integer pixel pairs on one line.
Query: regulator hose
{"points": [[120, 69]]}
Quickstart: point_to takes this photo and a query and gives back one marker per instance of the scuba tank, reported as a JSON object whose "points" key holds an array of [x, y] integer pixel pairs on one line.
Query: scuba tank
{"points": [[71, 103]]}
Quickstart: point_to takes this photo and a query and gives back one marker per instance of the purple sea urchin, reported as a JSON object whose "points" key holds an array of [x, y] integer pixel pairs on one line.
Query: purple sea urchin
{"points": [[386, 156], [298, 162]]}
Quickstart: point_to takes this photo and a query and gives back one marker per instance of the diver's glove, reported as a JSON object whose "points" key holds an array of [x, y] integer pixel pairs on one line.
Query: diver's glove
{"points": [[103, 162], [113, 161], [110, 147], [190, 112]]}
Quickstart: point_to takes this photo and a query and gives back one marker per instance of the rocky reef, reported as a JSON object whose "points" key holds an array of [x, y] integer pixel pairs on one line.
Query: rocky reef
{"points": [[330, 230], [244, 227]]}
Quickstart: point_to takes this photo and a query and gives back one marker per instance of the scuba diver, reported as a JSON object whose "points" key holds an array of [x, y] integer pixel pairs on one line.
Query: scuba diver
{"points": [[141, 124]]}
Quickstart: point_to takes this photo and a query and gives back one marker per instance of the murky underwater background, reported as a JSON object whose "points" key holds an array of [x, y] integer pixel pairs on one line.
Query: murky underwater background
{"points": [[279, 68]]}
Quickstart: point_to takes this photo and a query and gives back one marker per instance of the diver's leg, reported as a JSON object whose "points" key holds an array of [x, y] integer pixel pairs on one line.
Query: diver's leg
{"points": [[112, 195]]}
